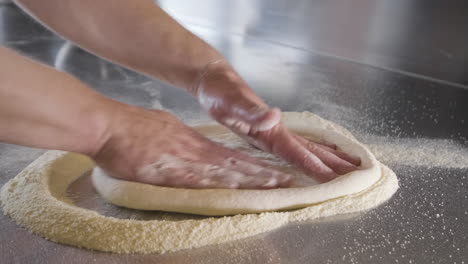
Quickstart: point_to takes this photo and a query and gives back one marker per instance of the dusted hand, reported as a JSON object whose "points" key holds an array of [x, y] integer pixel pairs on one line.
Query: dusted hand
{"points": [[231, 102], [152, 146]]}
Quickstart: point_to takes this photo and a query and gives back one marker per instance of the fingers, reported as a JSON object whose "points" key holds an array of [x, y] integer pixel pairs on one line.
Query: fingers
{"points": [[324, 154], [311, 145], [356, 161], [240, 109], [318, 160], [255, 119], [231, 102], [260, 118], [325, 162], [340, 166], [234, 173], [285, 145], [260, 177], [329, 145], [326, 145]]}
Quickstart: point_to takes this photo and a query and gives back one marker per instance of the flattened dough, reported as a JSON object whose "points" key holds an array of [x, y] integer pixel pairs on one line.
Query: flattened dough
{"points": [[234, 201], [37, 200]]}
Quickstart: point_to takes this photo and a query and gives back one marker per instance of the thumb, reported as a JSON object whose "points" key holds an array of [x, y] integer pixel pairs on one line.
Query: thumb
{"points": [[231, 102], [248, 116]]}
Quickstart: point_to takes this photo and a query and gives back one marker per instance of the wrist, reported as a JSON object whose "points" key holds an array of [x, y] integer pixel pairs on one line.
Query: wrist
{"points": [[219, 69], [100, 119], [116, 120]]}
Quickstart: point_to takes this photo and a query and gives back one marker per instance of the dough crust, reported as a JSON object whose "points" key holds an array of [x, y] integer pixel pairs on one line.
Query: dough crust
{"points": [[37, 200], [234, 201]]}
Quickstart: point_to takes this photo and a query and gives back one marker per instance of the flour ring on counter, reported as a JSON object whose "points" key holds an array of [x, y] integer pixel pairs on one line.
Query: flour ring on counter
{"points": [[37, 200], [218, 202]]}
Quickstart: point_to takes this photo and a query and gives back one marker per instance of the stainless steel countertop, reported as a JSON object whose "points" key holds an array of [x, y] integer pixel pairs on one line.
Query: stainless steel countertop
{"points": [[294, 56]]}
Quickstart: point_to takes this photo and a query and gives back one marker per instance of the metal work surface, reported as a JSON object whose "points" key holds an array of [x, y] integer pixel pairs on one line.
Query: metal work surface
{"points": [[424, 37], [426, 221]]}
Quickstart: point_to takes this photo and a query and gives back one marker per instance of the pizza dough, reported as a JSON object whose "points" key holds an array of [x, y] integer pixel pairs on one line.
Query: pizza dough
{"points": [[235, 201], [37, 200]]}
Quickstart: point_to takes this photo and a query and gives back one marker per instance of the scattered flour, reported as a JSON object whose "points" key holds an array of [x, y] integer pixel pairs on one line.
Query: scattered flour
{"points": [[35, 203], [36, 199], [429, 153]]}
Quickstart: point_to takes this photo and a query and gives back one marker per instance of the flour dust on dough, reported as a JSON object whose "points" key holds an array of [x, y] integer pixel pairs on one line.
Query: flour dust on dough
{"points": [[240, 201], [36, 199]]}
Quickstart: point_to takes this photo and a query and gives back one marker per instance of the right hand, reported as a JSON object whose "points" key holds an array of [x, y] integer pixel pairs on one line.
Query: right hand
{"points": [[230, 101], [152, 146]]}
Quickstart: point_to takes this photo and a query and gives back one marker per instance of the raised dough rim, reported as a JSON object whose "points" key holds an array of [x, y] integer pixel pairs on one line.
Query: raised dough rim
{"points": [[50, 210], [229, 202], [33, 203]]}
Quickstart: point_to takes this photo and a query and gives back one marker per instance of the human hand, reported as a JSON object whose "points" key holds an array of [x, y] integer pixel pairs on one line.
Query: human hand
{"points": [[230, 101], [153, 147]]}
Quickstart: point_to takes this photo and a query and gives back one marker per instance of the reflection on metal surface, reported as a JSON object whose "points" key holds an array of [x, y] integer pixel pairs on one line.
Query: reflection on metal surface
{"points": [[62, 53], [422, 37]]}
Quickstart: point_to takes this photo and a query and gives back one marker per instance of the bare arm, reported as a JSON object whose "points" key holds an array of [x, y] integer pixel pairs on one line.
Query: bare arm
{"points": [[45, 108], [137, 34], [41, 107], [141, 36]]}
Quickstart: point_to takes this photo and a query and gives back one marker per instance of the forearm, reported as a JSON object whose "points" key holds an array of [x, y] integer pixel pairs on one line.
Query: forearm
{"points": [[137, 34], [41, 107]]}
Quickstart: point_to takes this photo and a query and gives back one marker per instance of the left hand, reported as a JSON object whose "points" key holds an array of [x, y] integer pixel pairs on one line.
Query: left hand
{"points": [[230, 101]]}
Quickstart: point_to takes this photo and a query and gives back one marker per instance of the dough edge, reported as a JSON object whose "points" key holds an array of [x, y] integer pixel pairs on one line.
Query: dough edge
{"points": [[218, 202], [34, 203]]}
